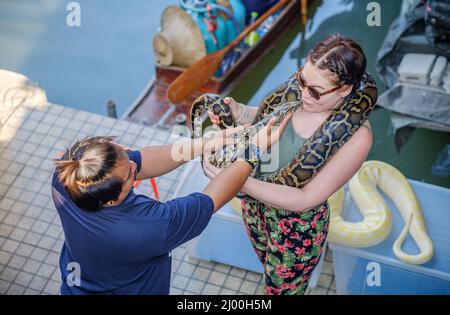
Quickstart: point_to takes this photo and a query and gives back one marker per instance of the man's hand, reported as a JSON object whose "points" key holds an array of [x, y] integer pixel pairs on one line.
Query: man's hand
{"points": [[159, 160], [210, 170], [216, 140]]}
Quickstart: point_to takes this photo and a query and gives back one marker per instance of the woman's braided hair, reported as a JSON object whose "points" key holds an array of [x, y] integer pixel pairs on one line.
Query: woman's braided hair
{"points": [[85, 172], [341, 56]]}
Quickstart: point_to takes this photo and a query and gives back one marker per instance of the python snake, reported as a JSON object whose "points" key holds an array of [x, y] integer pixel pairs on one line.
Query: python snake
{"points": [[316, 151], [377, 223]]}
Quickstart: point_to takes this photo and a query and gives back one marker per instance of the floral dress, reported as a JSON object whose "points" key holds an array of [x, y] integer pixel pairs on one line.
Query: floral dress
{"points": [[288, 244]]}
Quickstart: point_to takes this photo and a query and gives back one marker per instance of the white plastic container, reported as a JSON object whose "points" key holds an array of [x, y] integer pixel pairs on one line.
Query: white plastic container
{"points": [[356, 269], [416, 68], [439, 69]]}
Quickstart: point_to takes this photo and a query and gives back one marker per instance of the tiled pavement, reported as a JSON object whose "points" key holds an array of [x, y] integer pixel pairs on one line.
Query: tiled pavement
{"points": [[30, 232], [193, 276]]}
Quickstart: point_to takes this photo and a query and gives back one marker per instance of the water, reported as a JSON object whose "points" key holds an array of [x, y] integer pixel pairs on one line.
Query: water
{"points": [[108, 57], [348, 17]]}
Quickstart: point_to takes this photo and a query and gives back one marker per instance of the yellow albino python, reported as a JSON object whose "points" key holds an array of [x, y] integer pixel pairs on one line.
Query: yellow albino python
{"points": [[316, 151], [377, 223]]}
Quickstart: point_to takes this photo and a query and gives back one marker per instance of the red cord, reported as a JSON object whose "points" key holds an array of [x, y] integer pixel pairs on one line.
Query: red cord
{"points": [[154, 186]]}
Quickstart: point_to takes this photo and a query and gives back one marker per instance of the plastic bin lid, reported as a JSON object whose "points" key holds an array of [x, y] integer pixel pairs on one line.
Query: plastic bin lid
{"points": [[416, 64], [435, 203]]}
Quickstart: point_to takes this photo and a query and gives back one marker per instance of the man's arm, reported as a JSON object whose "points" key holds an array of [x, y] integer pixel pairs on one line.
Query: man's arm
{"points": [[159, 160], [228, 183], [189, 215]]}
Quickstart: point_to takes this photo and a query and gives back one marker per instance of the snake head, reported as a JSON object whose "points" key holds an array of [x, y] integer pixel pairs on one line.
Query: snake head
{"points": [[223, 111], [215, 105]]}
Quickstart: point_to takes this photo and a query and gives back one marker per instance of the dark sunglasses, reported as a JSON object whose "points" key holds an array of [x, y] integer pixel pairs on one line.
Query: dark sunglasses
{"points": [[314, 93]]}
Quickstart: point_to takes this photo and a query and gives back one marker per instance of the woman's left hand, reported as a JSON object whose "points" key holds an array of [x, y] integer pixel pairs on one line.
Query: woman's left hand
{"points": [[210, 170]]}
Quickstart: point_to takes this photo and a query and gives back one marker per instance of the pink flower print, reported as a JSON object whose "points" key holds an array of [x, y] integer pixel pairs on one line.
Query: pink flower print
{"points": [[273, 291], [284, 229], [295, 236], [288, 286], [307, 269], [299, 251], [299, 221], [288, 275], [280, 270], [299, 266], [288, 243], [317, 239], [306, 276]]}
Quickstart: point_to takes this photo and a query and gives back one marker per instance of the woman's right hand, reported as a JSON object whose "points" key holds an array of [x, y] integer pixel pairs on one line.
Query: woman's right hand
{"points": [[234, 109]]}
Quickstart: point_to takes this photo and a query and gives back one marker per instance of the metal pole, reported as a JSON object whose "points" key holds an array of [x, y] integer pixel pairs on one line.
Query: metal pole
{"points": [[112, 109]]}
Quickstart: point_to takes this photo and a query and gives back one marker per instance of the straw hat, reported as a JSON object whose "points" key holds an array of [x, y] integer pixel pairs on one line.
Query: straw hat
{"points": [[180, 41]]}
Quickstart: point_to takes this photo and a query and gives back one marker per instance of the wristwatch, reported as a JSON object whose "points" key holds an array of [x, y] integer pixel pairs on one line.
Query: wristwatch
{"points": [[252, 155]]}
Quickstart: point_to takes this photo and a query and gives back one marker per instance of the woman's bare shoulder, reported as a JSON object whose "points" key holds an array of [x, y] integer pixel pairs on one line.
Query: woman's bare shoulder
{"points": [[363, 136]]}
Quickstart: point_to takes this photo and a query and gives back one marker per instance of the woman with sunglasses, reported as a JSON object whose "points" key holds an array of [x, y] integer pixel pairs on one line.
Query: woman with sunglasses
{"points": [[289, 227]]}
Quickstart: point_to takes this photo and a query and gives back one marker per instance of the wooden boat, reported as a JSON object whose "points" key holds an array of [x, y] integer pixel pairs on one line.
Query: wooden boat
{"points": [[153, 108]]}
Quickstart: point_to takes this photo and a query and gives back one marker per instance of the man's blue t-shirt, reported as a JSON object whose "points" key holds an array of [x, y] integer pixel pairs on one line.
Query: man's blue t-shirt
{"points": [[125, 249]]}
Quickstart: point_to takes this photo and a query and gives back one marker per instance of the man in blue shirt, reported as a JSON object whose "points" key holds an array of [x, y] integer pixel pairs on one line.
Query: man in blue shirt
{"points": [[119, 242]]}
